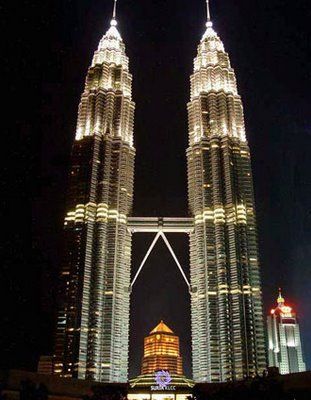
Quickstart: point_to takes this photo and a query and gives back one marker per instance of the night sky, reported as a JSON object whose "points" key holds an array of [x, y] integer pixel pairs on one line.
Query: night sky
{"points": [[49, 46]]}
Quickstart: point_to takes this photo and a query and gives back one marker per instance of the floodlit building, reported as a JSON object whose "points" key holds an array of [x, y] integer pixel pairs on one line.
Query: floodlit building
{"points": [[161, 351], [92, 337], [228, 341], [93, 319], [161, 371], [284, 342]]}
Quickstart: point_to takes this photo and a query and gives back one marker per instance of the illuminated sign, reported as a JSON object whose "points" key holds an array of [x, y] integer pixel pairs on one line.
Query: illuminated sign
{"points": [[163, 380]]}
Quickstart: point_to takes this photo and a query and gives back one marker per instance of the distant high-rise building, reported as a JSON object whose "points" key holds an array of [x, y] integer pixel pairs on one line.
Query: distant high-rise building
{"points": [[284, 342], [161, 351], [45, 365], [162, 365], [228, 340]]}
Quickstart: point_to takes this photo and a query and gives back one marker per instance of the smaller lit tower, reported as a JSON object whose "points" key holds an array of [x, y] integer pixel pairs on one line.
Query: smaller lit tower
{"points": [[161, 351], [161, 368], [284, 341]]}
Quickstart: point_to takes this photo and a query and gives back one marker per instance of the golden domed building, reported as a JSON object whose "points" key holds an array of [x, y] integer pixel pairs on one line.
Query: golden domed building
{"points": [[161, 351], [161, 371]]}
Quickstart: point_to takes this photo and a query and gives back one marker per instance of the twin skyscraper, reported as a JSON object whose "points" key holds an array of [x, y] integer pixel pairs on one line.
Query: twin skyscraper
{"points": [[228, 340]]}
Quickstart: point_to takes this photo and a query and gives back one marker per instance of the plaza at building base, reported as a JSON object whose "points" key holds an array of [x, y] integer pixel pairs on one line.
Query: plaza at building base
{"points": [[146, 387], [296, 385]]}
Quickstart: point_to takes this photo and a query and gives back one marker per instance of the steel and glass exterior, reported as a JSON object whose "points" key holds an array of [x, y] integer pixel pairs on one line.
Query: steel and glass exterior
{"points": [[93, 319], [228, 340]]}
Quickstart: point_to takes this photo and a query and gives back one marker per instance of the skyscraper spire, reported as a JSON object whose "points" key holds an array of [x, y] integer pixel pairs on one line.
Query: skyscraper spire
{"points": [[208, 14], [111, 40], [226, 299], [280, 299], [93, 319], [209, 32], [114, 12]]}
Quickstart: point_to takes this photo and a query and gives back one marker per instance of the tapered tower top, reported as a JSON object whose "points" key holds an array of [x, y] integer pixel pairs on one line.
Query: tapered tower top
{"points": [[113, 23], [111, 48], [209, 33], [113, 32], [161, 328], [282, 308]]}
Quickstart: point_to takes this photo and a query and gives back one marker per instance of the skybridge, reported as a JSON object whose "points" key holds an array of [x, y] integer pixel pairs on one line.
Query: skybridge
{"points": [[160, 226], [163, 224]]}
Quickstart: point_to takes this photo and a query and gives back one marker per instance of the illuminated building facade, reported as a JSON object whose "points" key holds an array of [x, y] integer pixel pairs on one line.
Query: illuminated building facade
{"points": [[161, 372], [45, 365], [161, 351], [284, 340], [228, 341], [93, 320]]}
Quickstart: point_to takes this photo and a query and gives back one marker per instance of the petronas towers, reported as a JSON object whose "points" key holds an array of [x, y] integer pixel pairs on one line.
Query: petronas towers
{"points": [[93, 321], [227, 319], [92, 337]]}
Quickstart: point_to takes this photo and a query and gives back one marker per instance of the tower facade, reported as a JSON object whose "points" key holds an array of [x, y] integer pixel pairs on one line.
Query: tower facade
{"points": [[228, 340], [284, 340], [161, 351], [93, 318]]}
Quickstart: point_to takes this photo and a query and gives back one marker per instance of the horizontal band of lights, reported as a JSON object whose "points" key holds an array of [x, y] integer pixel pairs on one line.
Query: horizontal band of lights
{"points": [[236, 215], [164, 351], [214, 144], [226, 290], [95, 213]]}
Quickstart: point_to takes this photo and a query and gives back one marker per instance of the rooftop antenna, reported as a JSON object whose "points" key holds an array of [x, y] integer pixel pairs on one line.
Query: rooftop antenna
{"points": [[114, 9], [114, 14], [208, 15], [208, 11], [280, 298]]}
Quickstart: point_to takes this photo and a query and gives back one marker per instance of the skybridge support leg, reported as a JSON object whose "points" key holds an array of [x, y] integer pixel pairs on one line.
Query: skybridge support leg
{"points": [[160, 233], [175, 258], [146, 257]]}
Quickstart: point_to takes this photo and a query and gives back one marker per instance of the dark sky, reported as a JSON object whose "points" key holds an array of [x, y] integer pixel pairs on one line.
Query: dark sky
{"points": [[49, 46]]}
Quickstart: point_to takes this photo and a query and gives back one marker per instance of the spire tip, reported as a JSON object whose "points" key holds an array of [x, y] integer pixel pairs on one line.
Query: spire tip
{"points": [[114, 12], [280, 299], [208, 13], [113, 22], [209, 23]]}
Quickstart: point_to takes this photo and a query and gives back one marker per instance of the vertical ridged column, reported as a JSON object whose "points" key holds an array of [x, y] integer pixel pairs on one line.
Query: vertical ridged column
{"points": [[226, 303], [93, 325]]}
